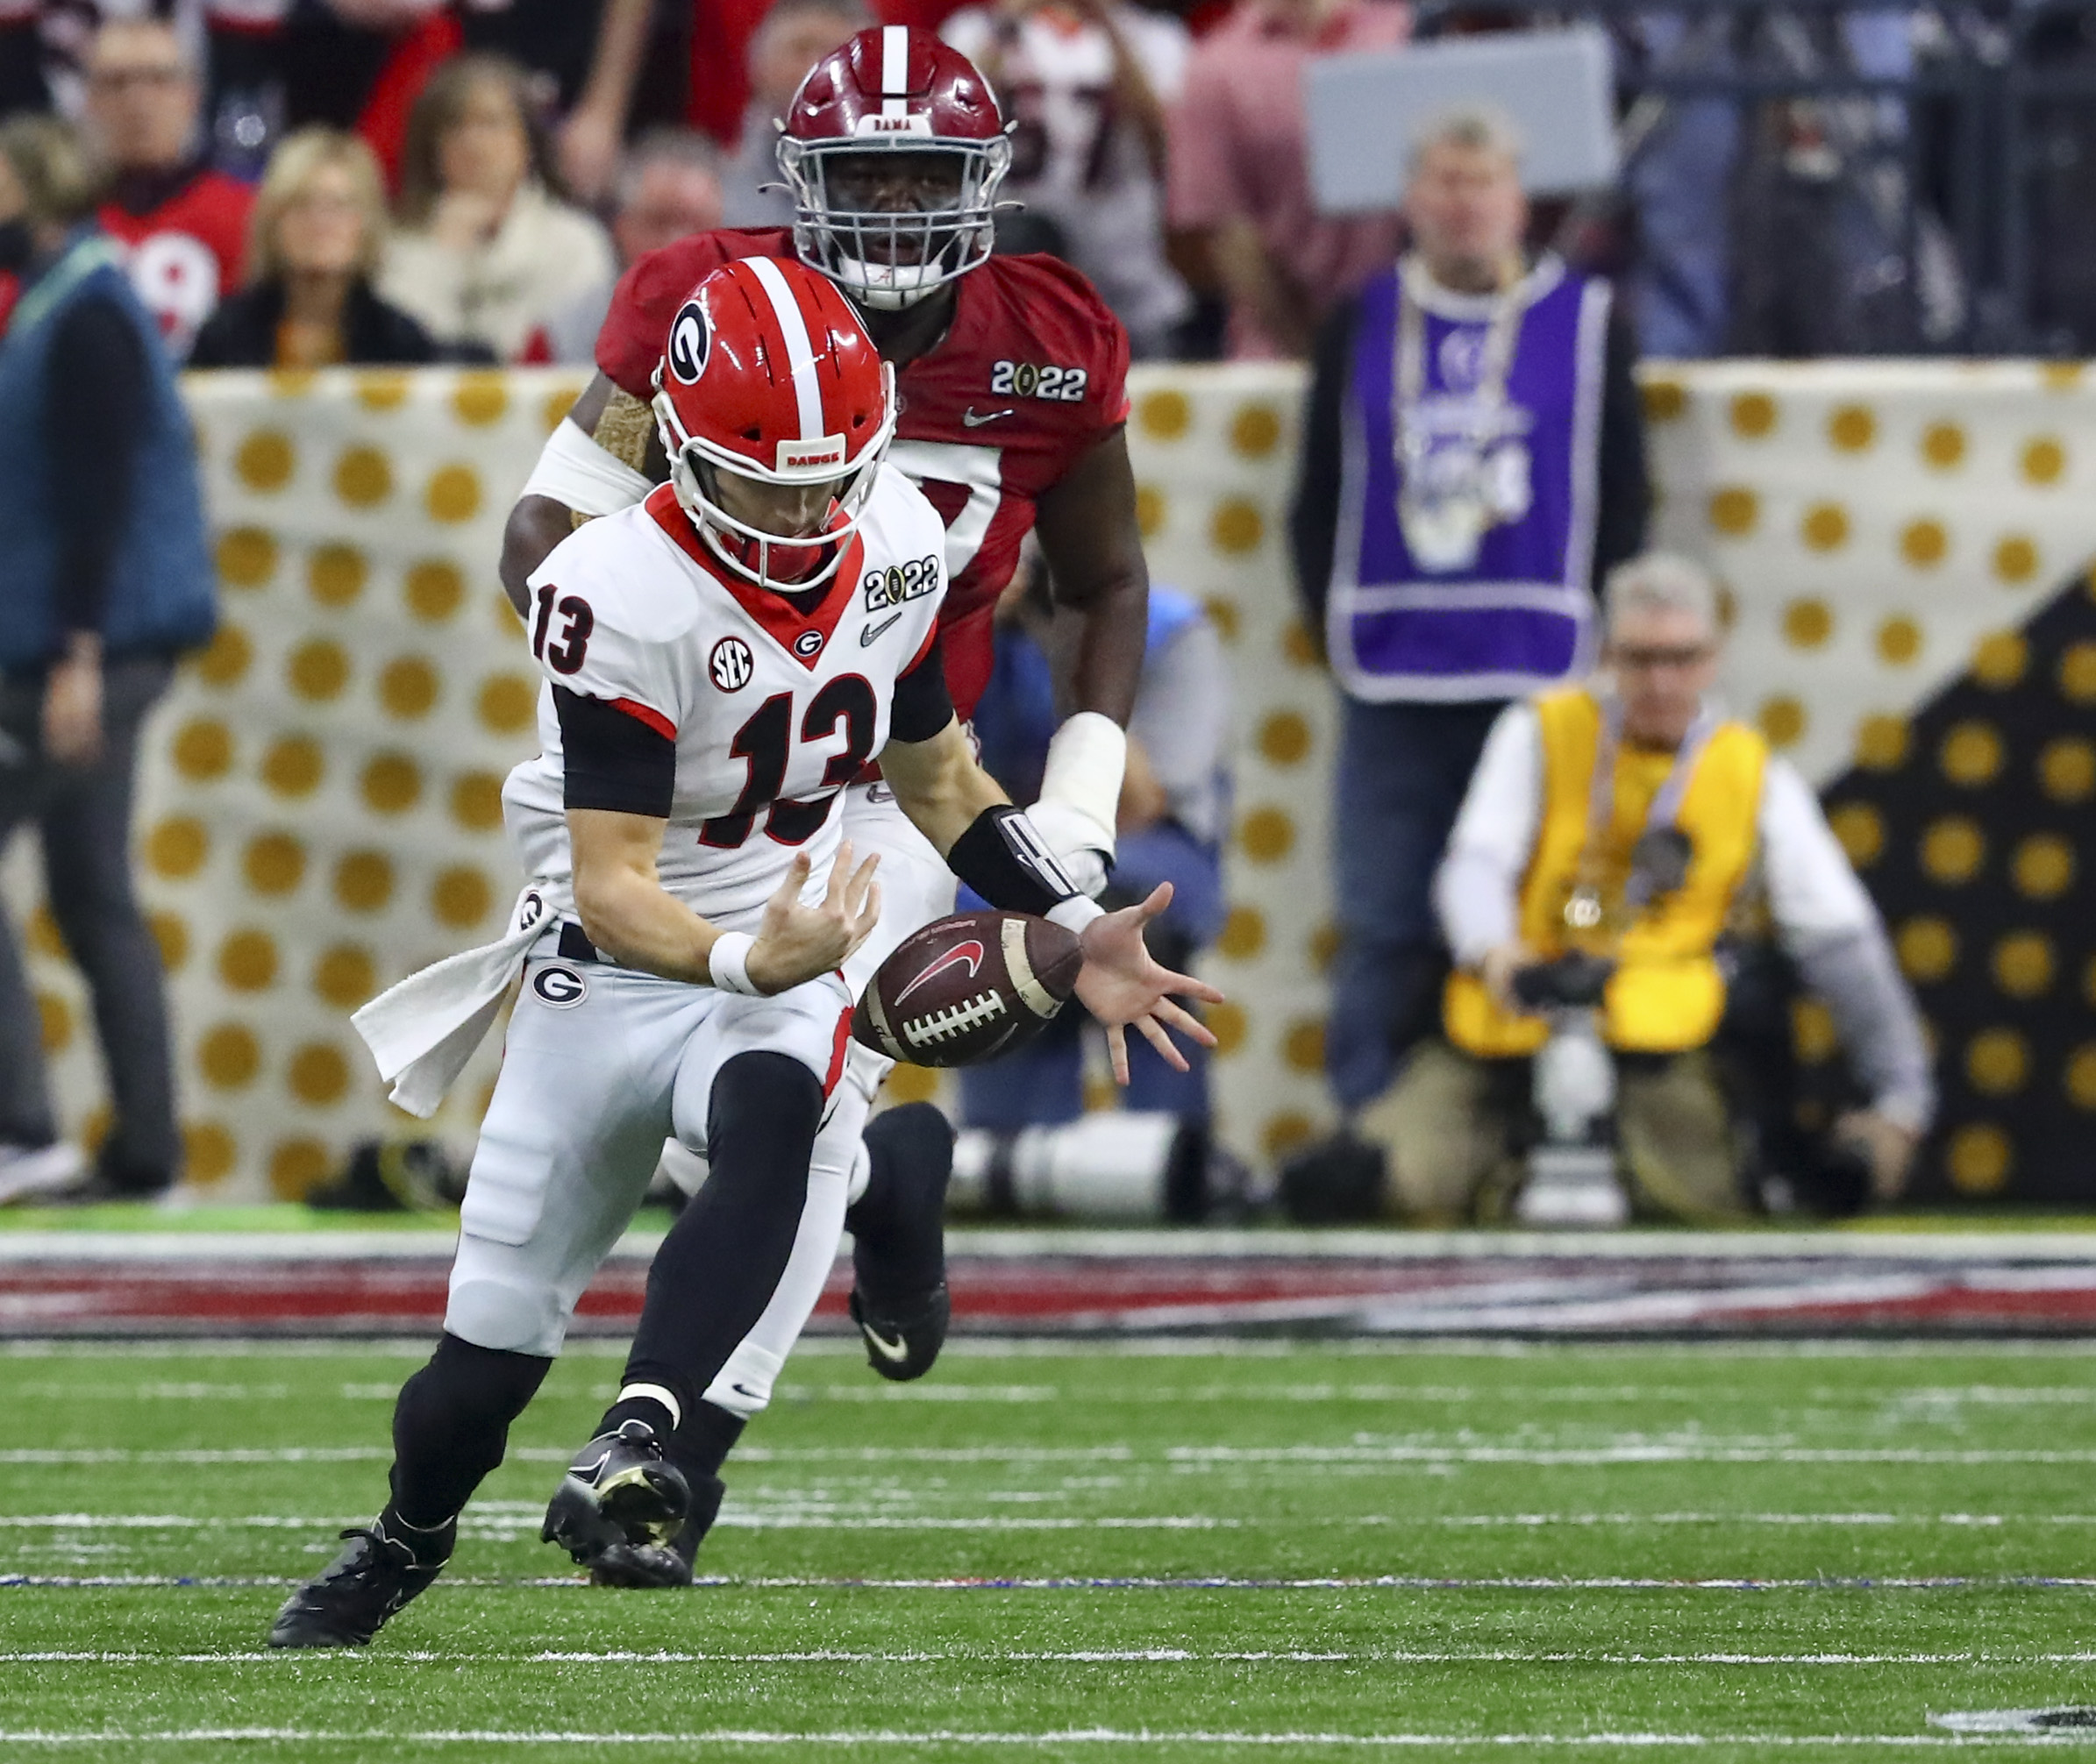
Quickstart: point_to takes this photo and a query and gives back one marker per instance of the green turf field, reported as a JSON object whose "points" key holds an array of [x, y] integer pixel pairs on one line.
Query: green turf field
{"points": [[1229, 1552]]}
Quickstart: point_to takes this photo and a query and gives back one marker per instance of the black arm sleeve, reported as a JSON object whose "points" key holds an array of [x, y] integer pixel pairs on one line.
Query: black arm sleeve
{"points": [[610, 759], [1314, 515], [91, 432], [1003, 859], [1625, 502], [922, 706]]}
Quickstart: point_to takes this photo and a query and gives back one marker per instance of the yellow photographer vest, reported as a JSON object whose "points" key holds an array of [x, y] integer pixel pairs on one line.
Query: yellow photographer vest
{"points": [[1667, 994]]}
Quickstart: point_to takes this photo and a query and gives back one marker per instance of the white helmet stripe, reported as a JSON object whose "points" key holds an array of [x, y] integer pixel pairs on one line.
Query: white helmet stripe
{"points": [[895, 61], [800, 350]]}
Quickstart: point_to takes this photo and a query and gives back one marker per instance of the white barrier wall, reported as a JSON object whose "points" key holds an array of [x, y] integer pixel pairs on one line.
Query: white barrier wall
{"points": [[319, 811]]}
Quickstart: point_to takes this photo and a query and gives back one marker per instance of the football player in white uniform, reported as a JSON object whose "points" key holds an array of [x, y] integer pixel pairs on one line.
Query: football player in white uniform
{"points": [[721, 661]]}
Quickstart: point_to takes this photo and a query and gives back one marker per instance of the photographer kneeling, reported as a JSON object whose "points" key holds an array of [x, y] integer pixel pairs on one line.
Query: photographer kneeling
{"points": [[1607, 835]]}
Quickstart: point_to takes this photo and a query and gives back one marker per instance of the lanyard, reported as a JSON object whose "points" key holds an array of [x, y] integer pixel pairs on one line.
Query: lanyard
{"points": [[1667, 801], [1408, 388]]}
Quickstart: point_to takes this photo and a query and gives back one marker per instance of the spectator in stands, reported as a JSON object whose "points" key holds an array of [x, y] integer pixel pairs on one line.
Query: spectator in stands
{"points": [[668, 186], [1174, 809], [1472, 463], [104, 576], [1087, 82], [320, 228], [1240, 180], [794, 35], [182, 226], [1622, 819], [486, 253]]}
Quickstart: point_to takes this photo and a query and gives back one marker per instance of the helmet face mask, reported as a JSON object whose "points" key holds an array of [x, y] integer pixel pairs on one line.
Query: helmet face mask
{"points": [[894, 150], [865, 216]]}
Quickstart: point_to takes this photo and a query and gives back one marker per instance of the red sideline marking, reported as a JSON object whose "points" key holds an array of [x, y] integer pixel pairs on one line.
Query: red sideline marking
{"points": [[1090, 1293]]}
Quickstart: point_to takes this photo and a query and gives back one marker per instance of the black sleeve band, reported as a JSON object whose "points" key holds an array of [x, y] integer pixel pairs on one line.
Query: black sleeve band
{"points": [[923, 706], [611, 760], [1001, 857]]}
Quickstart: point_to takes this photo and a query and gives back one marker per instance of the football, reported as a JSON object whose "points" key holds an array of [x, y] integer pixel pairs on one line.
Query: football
{"points": [[968, 988]]}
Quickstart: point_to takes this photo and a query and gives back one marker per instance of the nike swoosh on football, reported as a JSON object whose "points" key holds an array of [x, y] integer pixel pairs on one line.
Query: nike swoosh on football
{"points": [[897, 1350], [970, 420], [869, 632]]}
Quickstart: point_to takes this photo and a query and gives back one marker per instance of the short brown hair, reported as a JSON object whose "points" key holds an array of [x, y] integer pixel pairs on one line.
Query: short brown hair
{"points": [[59, 181], [441, 105], [291, 167]]}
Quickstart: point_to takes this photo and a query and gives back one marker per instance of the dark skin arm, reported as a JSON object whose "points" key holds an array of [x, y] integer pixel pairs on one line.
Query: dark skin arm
{"points": [[537, 523], [1088, 533]]}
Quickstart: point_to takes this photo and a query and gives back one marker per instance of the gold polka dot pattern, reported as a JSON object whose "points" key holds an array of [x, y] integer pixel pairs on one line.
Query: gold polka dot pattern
{"points": [[329, 767]]}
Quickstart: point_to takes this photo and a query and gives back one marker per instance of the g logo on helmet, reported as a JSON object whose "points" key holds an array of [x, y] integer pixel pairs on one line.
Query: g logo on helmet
{"points": [[689, 339]]}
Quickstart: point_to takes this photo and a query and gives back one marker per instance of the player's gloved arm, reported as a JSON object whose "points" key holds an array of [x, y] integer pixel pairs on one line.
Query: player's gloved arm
{"points": [[601, 458], [1093, 544], [999, 853]]}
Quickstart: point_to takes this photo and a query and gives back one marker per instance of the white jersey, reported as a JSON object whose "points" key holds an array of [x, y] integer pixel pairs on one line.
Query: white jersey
{"points": [[1074, 160], [772, 712]]}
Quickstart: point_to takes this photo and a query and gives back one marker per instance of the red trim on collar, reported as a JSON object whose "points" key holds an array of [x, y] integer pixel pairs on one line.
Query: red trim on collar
{"points": [[772, 612]]}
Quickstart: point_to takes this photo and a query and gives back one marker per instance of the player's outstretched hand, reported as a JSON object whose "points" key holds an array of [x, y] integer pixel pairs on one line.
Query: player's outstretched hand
{"points": [[797, 942], [1123, 984]]}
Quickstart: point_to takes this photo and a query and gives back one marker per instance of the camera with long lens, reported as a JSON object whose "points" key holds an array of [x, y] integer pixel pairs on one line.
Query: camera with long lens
{"points": [[1571, 982]]}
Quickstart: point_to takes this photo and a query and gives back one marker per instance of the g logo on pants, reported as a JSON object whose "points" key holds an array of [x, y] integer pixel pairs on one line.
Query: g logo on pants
{"points": [[561, 988]]}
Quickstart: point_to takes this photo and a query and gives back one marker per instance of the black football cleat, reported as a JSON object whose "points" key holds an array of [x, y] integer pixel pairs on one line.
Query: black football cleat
{"points": [[620, 1489], [904, 1348], [650, 1565], [898, 1226], [362, 1589]]}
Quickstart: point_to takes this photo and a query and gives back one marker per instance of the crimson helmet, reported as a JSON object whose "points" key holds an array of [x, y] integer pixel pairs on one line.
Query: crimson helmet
{"points": [[892, 90], [769, 377]]}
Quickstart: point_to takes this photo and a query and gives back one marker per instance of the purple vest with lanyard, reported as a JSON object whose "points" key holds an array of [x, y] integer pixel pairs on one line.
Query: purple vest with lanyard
{"points": [[1466, 511]]}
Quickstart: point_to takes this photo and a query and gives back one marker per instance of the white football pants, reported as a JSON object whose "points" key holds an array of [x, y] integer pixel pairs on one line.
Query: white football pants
{"points": [[915, 888], [599, 1066]]}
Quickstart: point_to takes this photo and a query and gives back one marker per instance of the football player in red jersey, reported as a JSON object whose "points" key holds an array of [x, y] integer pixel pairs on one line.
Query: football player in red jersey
{"points": [[1011, 373]]}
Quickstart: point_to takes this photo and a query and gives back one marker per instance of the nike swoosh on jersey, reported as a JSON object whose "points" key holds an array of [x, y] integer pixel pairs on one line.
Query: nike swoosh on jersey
{"points": [[897, 1350], [867, 633], [970, 419]]}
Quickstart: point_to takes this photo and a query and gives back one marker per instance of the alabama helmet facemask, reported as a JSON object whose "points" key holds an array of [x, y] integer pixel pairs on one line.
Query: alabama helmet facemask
{"points": [[894, 90], [768, 374]]}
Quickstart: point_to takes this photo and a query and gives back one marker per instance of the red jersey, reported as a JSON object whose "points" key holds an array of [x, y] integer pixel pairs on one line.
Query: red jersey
{"points": [[186, 255], [1032, 374]]}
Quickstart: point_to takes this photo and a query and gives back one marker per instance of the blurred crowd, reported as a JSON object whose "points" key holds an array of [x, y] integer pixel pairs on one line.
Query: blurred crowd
{"points": [[410, 180]]}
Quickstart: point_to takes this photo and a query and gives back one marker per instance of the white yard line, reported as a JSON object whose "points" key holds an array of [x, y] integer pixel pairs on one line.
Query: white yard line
{"points": [[1153, 1656], [493, 1520], [1396, 1582], [890, 1739]]}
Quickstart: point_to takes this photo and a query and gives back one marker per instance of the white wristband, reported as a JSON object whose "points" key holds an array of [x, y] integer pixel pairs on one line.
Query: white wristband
{"points": [[1075, 913], [729, 963]]}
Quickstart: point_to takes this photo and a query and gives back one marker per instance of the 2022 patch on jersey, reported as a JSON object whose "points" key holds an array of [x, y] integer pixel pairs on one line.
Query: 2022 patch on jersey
{"points": [[773, 710]]}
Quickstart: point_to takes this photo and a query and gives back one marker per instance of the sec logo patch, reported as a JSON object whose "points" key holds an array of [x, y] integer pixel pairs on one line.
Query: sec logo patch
{"points": [[562, 988], [730, 664]]}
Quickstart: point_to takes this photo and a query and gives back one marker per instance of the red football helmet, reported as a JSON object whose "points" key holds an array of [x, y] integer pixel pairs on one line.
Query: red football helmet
{"points": [[770, 378], [889, 239]]}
